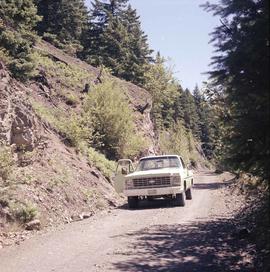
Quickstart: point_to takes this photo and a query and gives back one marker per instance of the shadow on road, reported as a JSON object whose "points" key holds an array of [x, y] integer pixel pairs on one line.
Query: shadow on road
{"points": [[208, 186], [151, 204], [212, 185], [200, 247]]}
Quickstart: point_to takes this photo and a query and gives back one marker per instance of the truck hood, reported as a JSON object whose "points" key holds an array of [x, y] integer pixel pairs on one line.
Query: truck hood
{"points": [[154, 172]]}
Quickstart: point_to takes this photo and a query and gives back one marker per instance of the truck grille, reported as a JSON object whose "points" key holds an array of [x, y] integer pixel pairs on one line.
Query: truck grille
{"points": [[153, 182]]}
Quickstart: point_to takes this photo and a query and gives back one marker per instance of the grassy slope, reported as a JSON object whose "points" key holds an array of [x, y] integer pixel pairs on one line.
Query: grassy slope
{"points": [[55, 182]]}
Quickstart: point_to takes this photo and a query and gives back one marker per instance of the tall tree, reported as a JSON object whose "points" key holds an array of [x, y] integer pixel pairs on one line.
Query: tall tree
{"points": [[17, 20], [240, 74], [206, 123], [115, 40], [104, 16], [186, 110], [160, 83], [66, 19], [140, 53]]}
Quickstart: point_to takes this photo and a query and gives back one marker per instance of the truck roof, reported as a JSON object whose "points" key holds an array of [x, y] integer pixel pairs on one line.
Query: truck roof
{"points": [[159, 156]]}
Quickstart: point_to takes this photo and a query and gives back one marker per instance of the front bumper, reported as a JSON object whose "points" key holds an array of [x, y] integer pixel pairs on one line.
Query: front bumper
{"points": [[154, 191]]}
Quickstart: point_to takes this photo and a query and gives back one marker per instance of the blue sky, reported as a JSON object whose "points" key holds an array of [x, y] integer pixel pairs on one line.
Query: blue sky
{"points": [[179, 29]]}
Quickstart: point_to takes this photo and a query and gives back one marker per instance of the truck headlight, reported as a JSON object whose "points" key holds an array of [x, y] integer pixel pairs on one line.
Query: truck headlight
{"points": [[129, 183], [175, 180]]}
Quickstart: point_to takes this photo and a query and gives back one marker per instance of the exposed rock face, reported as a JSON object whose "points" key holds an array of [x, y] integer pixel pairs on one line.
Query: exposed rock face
{"points": [[5, 107], [17, 123], [22, 133]]}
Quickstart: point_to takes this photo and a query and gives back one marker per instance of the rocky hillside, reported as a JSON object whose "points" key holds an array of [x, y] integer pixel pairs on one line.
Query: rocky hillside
{"points": [[45, 181]]}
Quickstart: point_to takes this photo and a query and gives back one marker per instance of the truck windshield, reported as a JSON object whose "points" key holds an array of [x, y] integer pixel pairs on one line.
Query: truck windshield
{"points": [[158, 163]]}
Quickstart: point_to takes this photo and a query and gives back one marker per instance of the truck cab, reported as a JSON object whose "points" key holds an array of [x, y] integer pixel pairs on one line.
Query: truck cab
{"points": [[158, 176]]}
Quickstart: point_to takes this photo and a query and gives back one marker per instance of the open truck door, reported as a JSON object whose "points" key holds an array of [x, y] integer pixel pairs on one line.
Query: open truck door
{"points": [[123, 168]]}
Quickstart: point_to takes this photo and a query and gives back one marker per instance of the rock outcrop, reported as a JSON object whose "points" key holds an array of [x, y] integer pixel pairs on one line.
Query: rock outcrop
{"points": [[18, 126]]}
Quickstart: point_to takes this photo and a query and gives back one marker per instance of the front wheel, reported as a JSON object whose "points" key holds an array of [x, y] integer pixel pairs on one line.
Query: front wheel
{"points": [[133, 202], [179, 200], [188, 193]]}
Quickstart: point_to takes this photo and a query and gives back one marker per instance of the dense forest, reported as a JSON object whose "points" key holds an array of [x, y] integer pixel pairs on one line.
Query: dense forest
{"points": [[229, 116]]}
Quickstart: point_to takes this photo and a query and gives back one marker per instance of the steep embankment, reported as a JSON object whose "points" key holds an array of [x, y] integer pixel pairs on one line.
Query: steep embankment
{"points": [[43, 178], [70, 68]]}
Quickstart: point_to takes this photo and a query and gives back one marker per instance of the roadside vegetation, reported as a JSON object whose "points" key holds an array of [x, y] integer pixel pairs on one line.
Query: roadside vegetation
{"points": [[171, 104], [213, 119], [226, 121], [238, 92]]}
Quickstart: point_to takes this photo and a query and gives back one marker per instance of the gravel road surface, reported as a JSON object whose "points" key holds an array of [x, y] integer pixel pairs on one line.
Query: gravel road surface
{"points": [[156, 237]]}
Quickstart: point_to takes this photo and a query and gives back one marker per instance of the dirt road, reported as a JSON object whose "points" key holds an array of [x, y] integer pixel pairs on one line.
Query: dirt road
{"points": [[155, 237]]}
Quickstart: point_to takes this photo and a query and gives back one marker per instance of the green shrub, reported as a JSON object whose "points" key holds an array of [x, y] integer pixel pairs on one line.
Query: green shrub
{"points": [[177, 140], [72, 48], [90, 194], [24, 212], [73, 127], [70, 98], [70, 76], [19, 14], [76, 129], [52, 38], [105, 166], [112, 121], [19, 50]]}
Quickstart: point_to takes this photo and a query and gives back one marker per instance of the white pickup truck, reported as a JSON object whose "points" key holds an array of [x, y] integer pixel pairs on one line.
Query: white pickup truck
{"points": [[155, 177]]}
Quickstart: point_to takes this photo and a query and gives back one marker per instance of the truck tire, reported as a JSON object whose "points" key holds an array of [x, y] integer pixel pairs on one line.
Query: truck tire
{"points": [[188, 193], [179, 200], [133, 202]]}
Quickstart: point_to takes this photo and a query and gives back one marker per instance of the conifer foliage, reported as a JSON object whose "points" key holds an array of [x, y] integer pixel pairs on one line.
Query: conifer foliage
{"points": [[240, 82], [17, 20], [115, 39], [64, 21]]}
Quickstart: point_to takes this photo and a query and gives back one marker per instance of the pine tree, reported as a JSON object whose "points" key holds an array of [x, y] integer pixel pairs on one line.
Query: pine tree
{"points": [[186, 110], [17, 20], [139, 55], [104, 30], [206, 124], [65, 19], [19, 14], [115, 40], [178, 107], [240, 74]]}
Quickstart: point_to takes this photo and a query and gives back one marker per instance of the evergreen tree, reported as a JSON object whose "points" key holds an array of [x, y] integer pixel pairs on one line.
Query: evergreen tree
{"points": [[115, 40], [206, 124], [64, 19], [19, 14], [186, 110], [114, 54], [104, 17], [241, 76], [178, 107], [139, 55], [17, 20]]}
